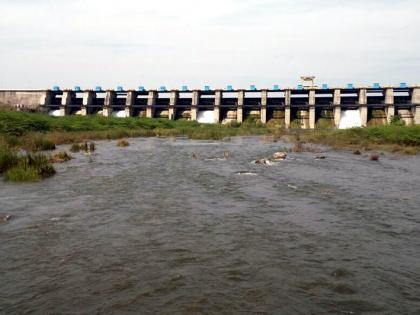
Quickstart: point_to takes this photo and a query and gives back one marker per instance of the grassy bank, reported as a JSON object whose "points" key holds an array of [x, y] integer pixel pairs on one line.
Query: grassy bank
{"points": [[22, 167], [27, 129], [394, 138], [38, 132]]}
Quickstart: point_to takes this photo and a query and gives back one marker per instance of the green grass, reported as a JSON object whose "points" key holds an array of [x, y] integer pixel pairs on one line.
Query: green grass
{"points": [[22, 174], [15, 124], [24, 167], [405, 139], [34, 132]]}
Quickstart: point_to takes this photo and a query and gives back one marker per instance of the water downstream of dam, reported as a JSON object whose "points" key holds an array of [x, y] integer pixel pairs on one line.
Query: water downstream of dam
{"points": [[147, 229]]}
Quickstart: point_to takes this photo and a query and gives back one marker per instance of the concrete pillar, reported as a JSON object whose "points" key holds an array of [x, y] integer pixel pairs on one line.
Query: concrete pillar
{"points": [[362, 97], [287, 97], [363, 115], [194, 104], [218, 96], [415, 101], [416, 115], [46, 98], [129, 102], [87, 101], [151, 102], [337, 107], [337, 116], [312, 99], [109, 99], [65, 102], [287, 117], [312, 117], [264, 101], [173, 100], [389, 104], [337, 97], [195, 98], [312, 112], [194, 113], [240, 108], [363, 106]]}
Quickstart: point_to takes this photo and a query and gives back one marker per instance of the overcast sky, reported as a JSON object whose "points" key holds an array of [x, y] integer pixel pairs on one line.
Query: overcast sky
{"points": [[213, 42]]}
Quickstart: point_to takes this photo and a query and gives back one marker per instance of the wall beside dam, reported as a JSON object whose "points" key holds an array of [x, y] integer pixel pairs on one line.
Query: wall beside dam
{"points": [[23, 99]]}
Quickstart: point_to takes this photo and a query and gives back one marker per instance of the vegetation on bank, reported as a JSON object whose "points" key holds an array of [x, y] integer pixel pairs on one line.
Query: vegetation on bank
{"points": [[21, 134], [16, 166], [70, 129], [396, 138]]}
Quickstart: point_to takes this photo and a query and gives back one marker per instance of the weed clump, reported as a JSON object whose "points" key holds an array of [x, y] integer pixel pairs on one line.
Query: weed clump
{"points": [[27, 167], [75, 148], [41, 144], [373, 157], [22, 174], [123, 143], [60, 157], [85, 146]]}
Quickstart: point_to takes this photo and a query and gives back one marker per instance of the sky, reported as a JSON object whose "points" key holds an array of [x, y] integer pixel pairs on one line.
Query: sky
{"points": [[135, 43]]}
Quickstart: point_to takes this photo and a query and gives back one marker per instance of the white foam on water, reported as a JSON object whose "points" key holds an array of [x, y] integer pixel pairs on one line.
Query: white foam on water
{"points": [[119, 114], [206, 117], [55, 113], [350, 119]]}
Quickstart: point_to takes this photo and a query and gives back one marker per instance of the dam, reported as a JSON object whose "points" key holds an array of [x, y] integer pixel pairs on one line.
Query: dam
{"points": [[304, 107]]}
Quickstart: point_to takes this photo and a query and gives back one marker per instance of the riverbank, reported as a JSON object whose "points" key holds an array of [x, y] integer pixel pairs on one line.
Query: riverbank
{"points": [[389, 138], [38, 132], [23, 128]]}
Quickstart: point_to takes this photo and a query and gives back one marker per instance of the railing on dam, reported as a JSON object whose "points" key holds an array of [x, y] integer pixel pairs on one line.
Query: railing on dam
{"points": [[309, 106]]}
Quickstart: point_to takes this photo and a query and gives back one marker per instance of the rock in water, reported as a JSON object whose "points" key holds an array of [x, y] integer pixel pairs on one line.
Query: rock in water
{"points": [[263, 162], [280, 156], [5, 218]]}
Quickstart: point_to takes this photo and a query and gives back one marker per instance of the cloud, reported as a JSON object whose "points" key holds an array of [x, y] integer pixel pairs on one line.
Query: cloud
{"points": [[265, 42]]}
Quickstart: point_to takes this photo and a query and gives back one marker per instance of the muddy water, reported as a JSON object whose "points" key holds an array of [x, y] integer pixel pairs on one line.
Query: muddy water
{"points": [[149, 230]]}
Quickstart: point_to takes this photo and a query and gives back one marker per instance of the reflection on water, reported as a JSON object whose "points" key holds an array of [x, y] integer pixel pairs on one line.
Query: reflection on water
{"points": [[148, 229]]}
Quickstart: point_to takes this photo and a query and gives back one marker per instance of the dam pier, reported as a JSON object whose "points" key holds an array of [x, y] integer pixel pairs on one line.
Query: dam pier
{"points": [[305, 107]]}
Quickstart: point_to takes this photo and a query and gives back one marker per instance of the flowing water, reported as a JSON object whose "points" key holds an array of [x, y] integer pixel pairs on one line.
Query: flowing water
{"points": [[148, 229]]}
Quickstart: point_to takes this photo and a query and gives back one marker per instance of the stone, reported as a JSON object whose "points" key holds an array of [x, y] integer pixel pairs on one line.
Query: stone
{"points": [[5, 218], [280, 156]]}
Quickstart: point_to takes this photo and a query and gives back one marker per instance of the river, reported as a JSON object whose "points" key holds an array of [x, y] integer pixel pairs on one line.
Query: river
{"points": [[148, 229]]}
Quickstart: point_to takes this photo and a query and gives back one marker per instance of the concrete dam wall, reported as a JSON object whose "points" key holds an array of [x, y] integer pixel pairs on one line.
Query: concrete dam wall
{"points": [[29, 99], [297, 108]]}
